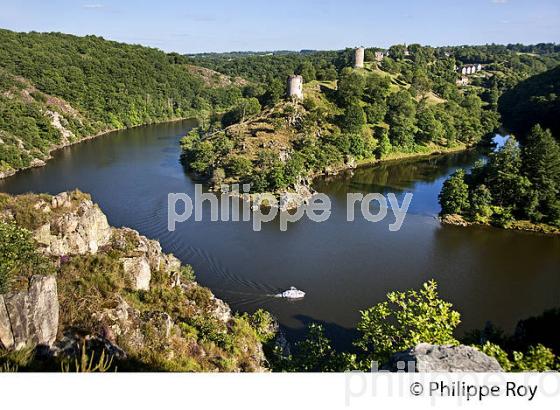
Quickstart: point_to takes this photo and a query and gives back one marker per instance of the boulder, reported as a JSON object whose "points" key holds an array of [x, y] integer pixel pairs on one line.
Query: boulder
{"points": [[138, 270], [61, 200], [6, 336], [220, 310], [30, 317], [426, 357], [71, 345], [75, 232]]}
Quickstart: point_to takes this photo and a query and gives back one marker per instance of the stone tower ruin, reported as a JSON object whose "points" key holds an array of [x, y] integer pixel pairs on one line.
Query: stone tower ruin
{"points": [[359, 57], [295, 87]]}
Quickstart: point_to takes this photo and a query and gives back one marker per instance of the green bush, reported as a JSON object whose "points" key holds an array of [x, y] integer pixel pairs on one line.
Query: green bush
{"points": [[404, 320], [19, 259]]}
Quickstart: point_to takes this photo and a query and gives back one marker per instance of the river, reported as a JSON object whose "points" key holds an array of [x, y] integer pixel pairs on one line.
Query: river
{"points": [[488, 274]]}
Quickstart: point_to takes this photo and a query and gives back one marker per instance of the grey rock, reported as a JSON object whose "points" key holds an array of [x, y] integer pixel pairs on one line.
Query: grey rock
{"points": [[6, 335], [79, 231], [426, 357], [30, 318], [71, 344], [138, 270]]}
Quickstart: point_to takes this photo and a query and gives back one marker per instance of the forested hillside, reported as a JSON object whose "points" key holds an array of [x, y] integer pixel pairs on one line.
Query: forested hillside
{"points": [[533, 101], [57, 88], [407, 100]]}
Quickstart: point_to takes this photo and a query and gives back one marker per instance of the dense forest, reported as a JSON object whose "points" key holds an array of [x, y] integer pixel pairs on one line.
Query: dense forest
{"points": [[57, 88], [516, 184], [519, 186], [533, 101]]}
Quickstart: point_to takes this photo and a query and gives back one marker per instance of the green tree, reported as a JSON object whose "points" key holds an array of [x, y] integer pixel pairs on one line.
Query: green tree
{"points": [[503, 176], [480, 202], [239, 166], [384, 147], [307, 71], [201, 158], [428, 128], [275, 89], [403, 321], [350, 87], [316, 354], [538, 358], [354, 118], [541, 165], [400, 116], [454, 196], [397, 51], [421, 83]]}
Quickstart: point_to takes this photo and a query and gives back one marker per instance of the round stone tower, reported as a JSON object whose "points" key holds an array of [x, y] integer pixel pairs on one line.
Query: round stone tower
{"points": [[295, 87], [359, 57]]}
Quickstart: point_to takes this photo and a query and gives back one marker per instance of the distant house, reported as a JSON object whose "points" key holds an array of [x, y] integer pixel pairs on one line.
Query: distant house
{"points": [[379, 55], [464, 80], [469, 69]]}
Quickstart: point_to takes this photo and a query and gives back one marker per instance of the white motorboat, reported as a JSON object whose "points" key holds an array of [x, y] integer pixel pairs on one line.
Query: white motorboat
{"points": [[291, 293]]}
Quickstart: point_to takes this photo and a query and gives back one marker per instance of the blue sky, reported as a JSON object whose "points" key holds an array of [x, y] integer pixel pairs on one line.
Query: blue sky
{"points": [[217, 25]]}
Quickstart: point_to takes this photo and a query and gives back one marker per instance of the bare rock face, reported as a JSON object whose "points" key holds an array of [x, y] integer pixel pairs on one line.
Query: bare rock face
{"points": [[134, 244], [76, 232], [426, 357], [30, 317], [221, 310], [138, 270]]}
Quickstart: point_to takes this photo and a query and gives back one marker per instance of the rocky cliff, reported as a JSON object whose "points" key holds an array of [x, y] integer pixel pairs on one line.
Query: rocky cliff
{"points": [[115, 289]]}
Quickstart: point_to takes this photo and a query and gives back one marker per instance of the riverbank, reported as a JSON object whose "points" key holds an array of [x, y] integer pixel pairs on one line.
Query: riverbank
{"points": [[458, 220], [433, 150], [40, 163], [301, 193]]}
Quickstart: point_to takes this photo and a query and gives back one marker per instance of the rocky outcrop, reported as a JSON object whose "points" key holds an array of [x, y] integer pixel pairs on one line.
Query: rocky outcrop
{"points": [[81, 228], [137, 269], [173, 323], [426, 357], [30, 317]]}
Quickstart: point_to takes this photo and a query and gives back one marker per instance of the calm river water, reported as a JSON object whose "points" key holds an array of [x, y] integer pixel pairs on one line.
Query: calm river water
{"points": [[488, 274]]}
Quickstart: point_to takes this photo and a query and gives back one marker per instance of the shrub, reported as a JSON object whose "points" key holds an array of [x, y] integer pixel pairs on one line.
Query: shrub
{"points": [[19, 259], [404, 320], [454, 196]]}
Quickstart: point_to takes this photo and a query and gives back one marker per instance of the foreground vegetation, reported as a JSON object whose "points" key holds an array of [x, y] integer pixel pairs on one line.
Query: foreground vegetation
{"points": [[408, 318]]}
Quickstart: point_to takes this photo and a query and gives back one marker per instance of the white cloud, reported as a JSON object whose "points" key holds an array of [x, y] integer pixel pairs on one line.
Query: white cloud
{"points": [[499, 1], [93, 6]]}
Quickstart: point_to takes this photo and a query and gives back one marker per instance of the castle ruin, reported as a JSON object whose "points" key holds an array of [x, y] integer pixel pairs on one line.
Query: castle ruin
{"points": [[295, 87], [359, 57]]}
